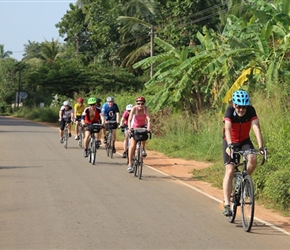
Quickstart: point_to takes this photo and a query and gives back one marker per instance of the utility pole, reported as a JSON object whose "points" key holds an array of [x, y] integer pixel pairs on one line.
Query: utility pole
{"points": [[152, 50], [19, 84]]}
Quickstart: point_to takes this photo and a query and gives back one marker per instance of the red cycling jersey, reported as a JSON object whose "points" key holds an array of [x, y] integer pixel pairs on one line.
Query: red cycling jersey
{"points": [[89, 119], [241, 126]]}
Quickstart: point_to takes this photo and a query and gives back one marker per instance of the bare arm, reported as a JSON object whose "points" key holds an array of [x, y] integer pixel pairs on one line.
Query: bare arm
{"points": [[59, 115], [257, 131], [228, 127], [131, 117], [118, 117], [148, 119]]}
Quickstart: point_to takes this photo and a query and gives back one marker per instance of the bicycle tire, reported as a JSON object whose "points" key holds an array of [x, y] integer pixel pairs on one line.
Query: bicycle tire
{"points": [[233, 206], [93, 151], [247, 203], [80, 133], [65, 133], [109, 138], [135, 166], [140, 162], [111, 148]]}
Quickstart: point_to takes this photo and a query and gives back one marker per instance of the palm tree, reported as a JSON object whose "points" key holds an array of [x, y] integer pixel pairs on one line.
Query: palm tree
{"points": [[43, 52], [4, 54], [140, 16]]}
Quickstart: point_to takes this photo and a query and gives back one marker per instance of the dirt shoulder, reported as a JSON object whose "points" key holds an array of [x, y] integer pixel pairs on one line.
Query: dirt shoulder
{"points": [[182, 170]]}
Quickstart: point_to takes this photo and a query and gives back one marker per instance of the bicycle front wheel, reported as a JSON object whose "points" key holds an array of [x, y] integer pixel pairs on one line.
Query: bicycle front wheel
{"points": [[80, 132], [111, 148], [65, 134], [93, 151], [247, 203], [140, 163], [108, 144]]}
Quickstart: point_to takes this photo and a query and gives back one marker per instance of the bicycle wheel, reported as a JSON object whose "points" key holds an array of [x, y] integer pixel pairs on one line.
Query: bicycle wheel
{"points": [[65, 135], [93, 151], [111, 148], [233, 206], [247, 203], [135, 166], [80, 132], [140, 162], [109, 138]]}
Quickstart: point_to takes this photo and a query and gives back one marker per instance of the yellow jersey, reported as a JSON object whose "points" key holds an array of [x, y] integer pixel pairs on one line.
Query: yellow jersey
{"points": [[79, 109]]}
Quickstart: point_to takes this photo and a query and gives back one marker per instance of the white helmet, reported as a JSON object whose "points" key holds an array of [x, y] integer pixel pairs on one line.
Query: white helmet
{"points": [[66, 103], [129, 107]]}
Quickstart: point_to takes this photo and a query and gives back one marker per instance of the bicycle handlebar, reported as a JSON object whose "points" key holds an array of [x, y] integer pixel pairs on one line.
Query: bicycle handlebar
{"points": [[244, 153]]}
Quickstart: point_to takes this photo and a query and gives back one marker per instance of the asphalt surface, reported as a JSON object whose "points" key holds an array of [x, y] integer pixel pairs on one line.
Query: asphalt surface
{"points": [[53, 198]]}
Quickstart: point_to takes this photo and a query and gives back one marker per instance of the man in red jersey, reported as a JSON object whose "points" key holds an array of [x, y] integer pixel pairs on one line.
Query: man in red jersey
{"points": [[238, 121]]}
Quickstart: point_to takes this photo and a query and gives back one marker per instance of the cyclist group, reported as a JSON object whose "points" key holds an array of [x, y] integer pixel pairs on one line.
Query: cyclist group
{"points": [[134, 117], [239, 118]]}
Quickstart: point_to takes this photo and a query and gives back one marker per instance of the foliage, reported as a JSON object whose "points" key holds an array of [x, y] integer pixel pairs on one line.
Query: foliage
{"points": [[39, 114], [277, 188]]}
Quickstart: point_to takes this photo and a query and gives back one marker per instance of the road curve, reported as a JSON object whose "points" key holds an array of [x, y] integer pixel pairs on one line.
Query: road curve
{"points": [[52, 198]]}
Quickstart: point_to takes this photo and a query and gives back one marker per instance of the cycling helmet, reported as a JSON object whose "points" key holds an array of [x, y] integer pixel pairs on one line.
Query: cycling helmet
{"points": [[241, 97], [129, 107], [92, 100], [66, 103], [110, 99], [81, 100], [140, 99], [98, 100]]}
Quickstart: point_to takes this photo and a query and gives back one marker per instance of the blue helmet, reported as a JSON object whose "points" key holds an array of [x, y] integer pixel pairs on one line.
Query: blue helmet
{"points": [[241, 97]]}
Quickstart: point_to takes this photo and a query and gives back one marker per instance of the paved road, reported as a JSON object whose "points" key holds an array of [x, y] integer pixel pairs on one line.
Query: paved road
{"points": [[52, 198]]}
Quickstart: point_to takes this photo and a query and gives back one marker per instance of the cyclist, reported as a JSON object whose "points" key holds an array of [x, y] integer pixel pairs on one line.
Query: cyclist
{"points": [[238, 120], [124, 123], [78, 110], [139, 118], [90, 115], [66, 114], [99, 105], [110, 112]]}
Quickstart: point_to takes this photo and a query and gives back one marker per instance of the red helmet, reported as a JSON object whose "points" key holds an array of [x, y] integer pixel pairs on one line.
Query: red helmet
{"points": [[140, 99], [81, 100]]}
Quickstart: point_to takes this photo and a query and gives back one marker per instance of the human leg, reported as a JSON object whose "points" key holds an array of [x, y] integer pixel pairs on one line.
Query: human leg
{"points": [[131, 152]]}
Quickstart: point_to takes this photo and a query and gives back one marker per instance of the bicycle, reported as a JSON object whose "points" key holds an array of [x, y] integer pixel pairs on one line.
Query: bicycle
{"points": [[139, 134], [243, 194], [110, 142], [93, 143]]}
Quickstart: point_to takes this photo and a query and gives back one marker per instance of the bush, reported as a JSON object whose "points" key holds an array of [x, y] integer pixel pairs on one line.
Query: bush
{"points": [[39, 114], [277, 189]]}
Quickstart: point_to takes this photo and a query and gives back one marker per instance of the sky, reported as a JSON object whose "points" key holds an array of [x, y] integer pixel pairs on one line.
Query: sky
{"points": [[29, 20]]}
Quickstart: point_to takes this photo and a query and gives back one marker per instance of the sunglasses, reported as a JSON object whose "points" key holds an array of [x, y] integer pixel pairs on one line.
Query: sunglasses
{"points": [[140, 103], [92, 104], [241, 107]]}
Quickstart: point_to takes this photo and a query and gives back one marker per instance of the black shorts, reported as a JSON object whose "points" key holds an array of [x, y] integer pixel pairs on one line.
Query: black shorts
{"points": [[78, 118], [245, 145], [63, 121]]}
